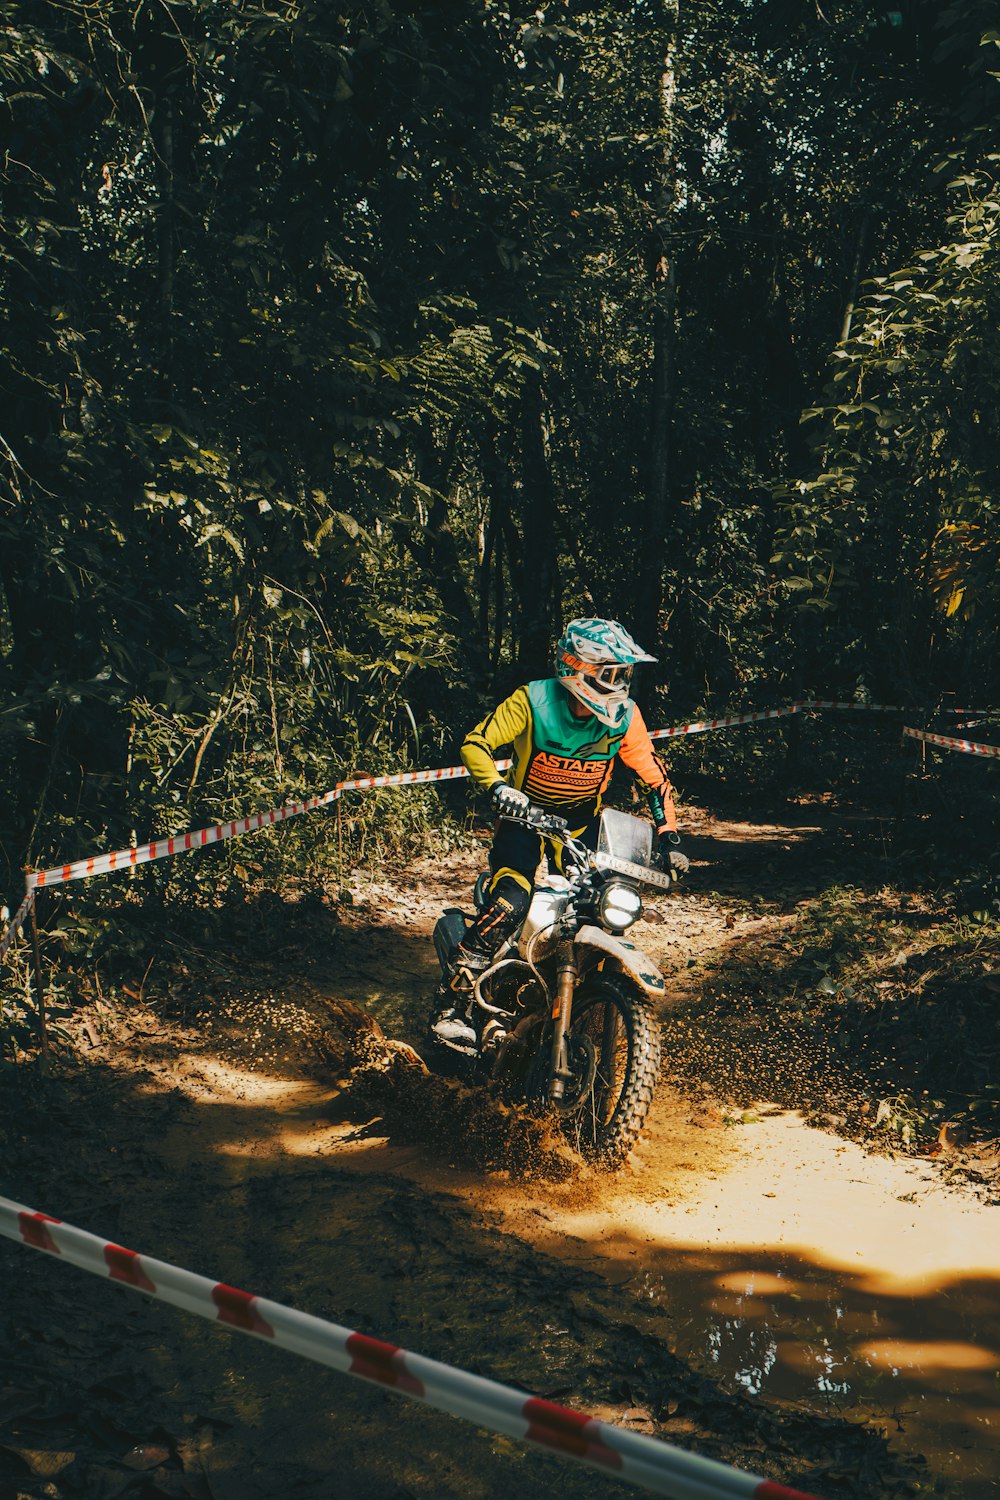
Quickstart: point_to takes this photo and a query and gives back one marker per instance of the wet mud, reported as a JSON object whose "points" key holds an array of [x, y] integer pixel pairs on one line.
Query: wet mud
{"points": [[272, 1125]]}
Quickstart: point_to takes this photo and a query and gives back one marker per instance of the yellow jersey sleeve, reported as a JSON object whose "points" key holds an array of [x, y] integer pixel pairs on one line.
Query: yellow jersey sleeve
{"points": [[507, 723]]}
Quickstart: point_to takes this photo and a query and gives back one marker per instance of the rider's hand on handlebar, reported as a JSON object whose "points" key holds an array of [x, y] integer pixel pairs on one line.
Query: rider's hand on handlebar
{"points": [[669, 856], [509, 800], [548, 823]]}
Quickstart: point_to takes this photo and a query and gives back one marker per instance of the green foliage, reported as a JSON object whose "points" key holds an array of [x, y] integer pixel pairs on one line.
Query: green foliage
{"points": [[977, 893], [899, 516], [873, 1011], [336, 343]]}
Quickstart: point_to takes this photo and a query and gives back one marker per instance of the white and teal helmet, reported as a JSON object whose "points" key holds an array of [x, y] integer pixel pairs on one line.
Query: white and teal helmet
{"points": [[594, 661]]}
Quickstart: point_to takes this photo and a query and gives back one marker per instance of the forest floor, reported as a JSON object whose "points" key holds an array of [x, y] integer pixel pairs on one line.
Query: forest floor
{"points": [[796, 1271]]}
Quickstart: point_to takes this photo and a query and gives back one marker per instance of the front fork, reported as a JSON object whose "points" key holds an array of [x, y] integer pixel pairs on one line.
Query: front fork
{"points": [[562, 1012]]}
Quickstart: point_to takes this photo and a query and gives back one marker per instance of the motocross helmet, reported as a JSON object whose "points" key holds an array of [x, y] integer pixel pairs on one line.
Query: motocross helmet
{"points": [[594, 661]]}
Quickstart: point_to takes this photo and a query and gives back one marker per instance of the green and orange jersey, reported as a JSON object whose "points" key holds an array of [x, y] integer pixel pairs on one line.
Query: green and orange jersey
{"points": [[564, 763]]}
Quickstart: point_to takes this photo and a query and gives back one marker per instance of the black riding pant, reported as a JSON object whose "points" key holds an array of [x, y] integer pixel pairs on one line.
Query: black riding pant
{"points": [[514, 858]]}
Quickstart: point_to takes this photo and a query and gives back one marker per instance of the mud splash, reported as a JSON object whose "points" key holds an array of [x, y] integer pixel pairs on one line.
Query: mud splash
{"points": [[468, 1126]]}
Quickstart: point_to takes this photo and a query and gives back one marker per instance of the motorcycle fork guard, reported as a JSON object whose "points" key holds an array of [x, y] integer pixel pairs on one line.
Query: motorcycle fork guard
{"points": [[562, 1013]]}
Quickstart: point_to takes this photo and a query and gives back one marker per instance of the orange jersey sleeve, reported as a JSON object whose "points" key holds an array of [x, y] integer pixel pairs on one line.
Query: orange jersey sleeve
{"points": [[638, 754]]}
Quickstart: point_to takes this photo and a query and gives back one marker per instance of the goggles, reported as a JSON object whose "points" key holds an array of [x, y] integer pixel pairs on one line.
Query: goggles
{"points": [[610, 677]]}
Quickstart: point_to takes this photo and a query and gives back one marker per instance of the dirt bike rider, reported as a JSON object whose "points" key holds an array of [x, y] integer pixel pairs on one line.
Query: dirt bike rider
{"points": [[567, 732]]}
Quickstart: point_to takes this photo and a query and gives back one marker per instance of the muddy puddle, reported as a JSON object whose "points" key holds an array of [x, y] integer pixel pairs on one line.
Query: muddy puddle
{"points": [[891, 1326], [801, 1270], [925, 1369]]}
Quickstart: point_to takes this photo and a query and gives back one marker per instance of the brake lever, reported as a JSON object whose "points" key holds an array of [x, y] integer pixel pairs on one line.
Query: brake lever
{"points": [[550, 826], [546, 824]]}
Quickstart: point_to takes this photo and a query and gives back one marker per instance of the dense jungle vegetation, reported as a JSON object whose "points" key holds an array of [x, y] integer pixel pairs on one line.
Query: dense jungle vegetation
{"points": [[348, 348]]}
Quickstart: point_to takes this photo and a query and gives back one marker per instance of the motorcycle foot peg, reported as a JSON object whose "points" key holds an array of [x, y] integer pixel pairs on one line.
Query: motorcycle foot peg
{"points": [[494, 1032]]}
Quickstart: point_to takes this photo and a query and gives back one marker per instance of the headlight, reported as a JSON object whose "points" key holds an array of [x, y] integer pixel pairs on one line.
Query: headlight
{"points": [[619, 906]]}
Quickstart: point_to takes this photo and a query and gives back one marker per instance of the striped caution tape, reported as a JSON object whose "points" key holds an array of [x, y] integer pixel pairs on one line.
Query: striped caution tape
{"points": [[702, 726], [179, 843], [200, 838], [643, 1461], [16, 923], [407, 778], [967, 747], [878, 708], [881, 708], [802, 705], [175, 843]]}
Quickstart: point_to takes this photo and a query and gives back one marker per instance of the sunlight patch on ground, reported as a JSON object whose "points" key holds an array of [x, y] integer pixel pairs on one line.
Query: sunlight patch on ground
{"points": [[752, 833], [778, 1186], [239, 1085], [235, 1085], [306, 1140], [751, 1283], [902, 1355]]}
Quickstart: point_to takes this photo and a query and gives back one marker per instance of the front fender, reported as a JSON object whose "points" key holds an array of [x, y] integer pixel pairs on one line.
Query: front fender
{"points": [[598, 945]]}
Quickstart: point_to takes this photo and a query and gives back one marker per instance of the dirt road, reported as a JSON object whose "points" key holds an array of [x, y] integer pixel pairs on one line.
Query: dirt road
{"points": [[752, 1286]]}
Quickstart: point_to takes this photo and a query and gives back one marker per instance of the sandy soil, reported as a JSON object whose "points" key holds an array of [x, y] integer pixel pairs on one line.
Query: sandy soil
{"points": [[749, 1284]]}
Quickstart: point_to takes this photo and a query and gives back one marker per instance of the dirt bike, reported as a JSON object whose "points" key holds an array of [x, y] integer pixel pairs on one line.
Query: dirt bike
{"points": [[563, 1014]]}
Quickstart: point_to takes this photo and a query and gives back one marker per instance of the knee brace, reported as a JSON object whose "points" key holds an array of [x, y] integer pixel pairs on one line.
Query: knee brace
{"points": [[508, 903]]}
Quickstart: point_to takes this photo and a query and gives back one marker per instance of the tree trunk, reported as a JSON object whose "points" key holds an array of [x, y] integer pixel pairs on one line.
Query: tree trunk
{"points": [[163, 147], [437, 550], [495, 471], [653, 532], [852, 295], [538, 530]]}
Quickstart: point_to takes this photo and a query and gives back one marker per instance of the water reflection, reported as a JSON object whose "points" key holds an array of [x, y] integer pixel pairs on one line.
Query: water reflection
{"points": [[926, 1368]]}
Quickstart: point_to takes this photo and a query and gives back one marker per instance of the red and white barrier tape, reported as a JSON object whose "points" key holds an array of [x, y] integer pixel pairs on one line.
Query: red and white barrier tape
{"points": [[967, 747], [630, 1456], [802, 705], [878, 708], [199, 838], [881, 708], [175, 843], [702, 726], [179, 843], [16, 923], [407, 778]]}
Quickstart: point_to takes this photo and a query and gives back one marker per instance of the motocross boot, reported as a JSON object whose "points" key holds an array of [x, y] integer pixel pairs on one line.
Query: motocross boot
{"points": [[452, 1023], [473, 955]]}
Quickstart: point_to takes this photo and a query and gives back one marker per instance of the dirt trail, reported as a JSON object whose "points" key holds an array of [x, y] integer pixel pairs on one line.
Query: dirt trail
{"points": [[749, 1284]]}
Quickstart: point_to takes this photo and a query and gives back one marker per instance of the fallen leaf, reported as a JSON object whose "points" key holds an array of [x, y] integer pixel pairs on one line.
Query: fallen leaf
{"points": [[950, 1136], [39, 1461], [637, 1414], [146, 1456]]}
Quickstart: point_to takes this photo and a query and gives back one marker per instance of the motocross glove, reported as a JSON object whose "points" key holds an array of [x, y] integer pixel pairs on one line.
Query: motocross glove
{"points": [[509, 799], [669, 856]]}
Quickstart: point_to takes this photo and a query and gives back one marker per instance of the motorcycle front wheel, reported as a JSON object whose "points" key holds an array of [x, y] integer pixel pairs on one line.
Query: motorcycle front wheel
{"points": [[614, 1037]]}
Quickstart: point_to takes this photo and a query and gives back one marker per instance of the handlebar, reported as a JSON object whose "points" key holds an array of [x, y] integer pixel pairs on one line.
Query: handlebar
{"points": [[547, 823], [550, 825]]}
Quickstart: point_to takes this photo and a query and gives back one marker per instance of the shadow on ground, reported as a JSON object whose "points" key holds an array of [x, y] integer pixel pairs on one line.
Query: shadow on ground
{"points": [[112, 1395]]}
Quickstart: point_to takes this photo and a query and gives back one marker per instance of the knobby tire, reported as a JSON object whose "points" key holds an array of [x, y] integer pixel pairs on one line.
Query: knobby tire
{"points": [[618, 1022]]}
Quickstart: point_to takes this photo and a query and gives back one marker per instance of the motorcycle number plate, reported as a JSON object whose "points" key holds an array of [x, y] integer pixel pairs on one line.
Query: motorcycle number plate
{"points": [[637, 872]]}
